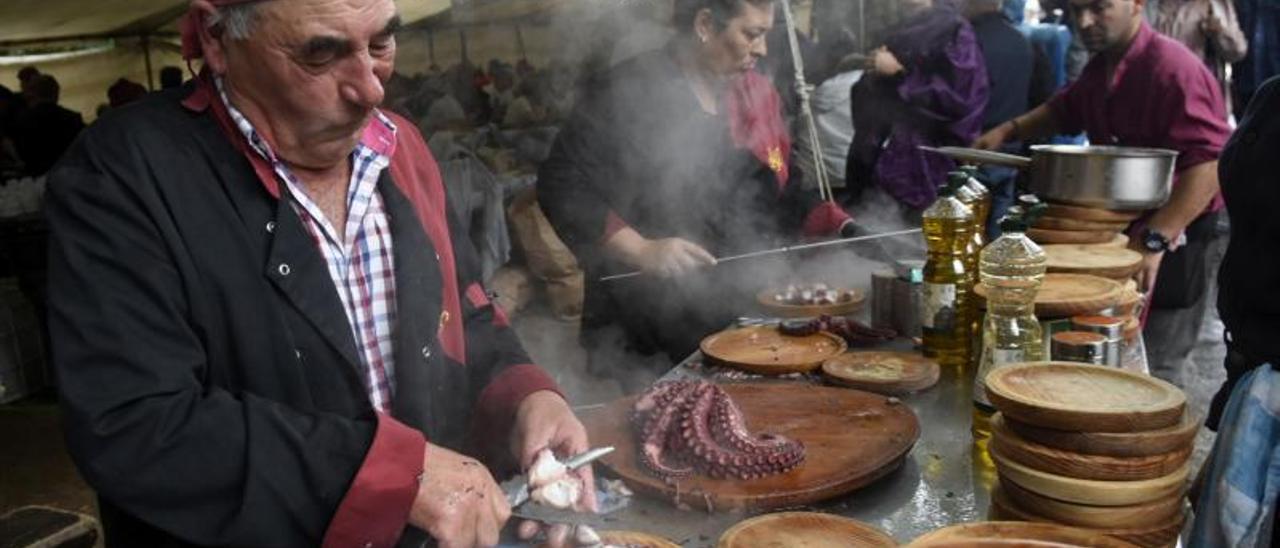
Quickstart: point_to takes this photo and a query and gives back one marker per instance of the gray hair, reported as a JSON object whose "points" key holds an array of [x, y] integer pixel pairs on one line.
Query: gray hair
{"points": [[237, 19]]}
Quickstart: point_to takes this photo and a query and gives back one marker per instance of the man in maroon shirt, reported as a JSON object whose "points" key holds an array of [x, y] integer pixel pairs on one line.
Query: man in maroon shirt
{"points": [[1146, 90]]}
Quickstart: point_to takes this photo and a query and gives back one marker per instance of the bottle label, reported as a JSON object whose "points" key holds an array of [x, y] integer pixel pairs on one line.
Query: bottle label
{"points": [[939, 307]]}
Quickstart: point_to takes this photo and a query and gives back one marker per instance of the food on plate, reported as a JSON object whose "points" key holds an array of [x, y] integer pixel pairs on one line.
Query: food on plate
{"points": [[852, 331], [812, 295], [693, 426]]}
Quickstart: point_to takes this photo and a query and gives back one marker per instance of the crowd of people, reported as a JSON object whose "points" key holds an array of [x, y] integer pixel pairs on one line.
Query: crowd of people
{"points": [[304, 298]]}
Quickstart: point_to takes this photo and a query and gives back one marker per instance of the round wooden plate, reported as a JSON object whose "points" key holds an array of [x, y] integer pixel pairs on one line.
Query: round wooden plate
{"points": [[1050, 236], [762, 349], [1121, 240], [1156, 536], [635, 538], [851, 438], [1151, 514], [852, 303], [889, 373], [1132, 329], [804, 530], [1014, 533], [1082, 466], [1091, 214], [1064, 223], [1114, 444], [1066, 295], [1084, 398], [1128, 303], [1117, 263], [1090, 492]]}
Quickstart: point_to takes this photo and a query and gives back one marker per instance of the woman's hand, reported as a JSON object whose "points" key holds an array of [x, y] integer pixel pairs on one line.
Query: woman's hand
{"points": [[882, 62], [671, 257]]}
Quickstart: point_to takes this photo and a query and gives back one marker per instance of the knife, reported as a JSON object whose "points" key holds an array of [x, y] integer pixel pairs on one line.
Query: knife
{"points": [[517, 488]]}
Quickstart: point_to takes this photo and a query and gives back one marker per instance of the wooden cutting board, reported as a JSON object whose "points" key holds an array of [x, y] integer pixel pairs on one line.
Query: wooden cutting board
{"points": [[1066, 295], [1015, 533], [1090, 492], [852, 303], [1152, 514], [1080, 465], [762, 349], [1090, 214], [851, 438], [1066, 223], [1050, 236], [888, 373], [1156, 536], [804, 530], [1115, 444], [1084, 398], [1117, 263]]}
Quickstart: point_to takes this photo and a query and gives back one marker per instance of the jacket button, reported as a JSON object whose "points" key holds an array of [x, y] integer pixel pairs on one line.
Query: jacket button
{"points": [[426, 352], [271, 227], [284, 269]]}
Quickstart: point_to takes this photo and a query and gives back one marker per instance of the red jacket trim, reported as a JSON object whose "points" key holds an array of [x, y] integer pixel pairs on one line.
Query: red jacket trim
{"points": [[376, 508], [755, 123], [478, 299], [825, 220]]}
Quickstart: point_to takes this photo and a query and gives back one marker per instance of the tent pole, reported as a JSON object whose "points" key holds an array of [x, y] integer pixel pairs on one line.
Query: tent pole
{"points": [[462, 39], [524, 54], [431, 46], [146, 55]]}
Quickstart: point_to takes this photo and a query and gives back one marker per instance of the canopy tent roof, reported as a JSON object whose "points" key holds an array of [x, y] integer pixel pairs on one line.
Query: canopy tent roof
{"points": [[24, 22]]}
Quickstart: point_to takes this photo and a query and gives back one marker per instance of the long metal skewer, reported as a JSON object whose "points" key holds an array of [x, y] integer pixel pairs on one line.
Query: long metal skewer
{"points": [[784, 249]]}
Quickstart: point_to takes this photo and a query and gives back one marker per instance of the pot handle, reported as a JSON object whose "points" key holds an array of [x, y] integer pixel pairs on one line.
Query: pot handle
{"points": [[978, 156]]}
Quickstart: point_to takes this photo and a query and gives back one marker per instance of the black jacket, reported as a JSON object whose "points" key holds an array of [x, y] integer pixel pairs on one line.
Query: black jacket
{"points": [[210, 382]]}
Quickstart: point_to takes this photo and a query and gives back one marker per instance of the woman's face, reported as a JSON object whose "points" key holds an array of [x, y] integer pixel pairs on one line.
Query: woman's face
{"points": [[736, 48]]}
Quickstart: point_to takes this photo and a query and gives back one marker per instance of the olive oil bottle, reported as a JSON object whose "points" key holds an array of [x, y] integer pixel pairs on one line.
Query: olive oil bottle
{"points": [[1011, 271], [948, 281]]}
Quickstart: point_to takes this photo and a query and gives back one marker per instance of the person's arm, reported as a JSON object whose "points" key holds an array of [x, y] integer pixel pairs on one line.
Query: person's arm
{"points": [[147, 430], [1036, 125], [1196, 188]]}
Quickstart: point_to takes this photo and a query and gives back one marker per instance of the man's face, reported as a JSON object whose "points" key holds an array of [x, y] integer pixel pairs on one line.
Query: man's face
{"points": [[312, 73], [1104, 24], [736, 49]]}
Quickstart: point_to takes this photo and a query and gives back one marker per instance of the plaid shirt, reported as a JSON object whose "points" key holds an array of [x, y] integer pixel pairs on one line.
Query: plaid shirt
{"points": [[359, 258]]}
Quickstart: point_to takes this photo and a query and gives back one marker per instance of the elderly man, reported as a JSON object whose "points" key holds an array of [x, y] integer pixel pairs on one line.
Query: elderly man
{"points": [[263, 331], [1144, 89]]}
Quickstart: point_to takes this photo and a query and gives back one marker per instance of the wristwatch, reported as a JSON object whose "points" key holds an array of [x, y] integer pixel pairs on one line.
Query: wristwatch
{"points": [[1154, 242]]}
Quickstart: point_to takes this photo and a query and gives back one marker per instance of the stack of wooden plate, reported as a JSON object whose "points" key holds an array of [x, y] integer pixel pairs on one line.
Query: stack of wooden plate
{"points": [[1067, 224], [1092, 447], [1067, 295]]}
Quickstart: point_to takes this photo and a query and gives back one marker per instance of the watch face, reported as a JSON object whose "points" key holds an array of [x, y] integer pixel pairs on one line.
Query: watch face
{"points": [[1154, 242]]}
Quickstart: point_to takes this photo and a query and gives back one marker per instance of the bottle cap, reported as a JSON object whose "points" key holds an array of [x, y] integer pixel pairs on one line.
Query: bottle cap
{"points": [[955, 180]]}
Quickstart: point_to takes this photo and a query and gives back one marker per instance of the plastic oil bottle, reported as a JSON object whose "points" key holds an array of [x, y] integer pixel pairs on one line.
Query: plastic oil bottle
{"points": [[1011, 270], [944, 304], [982, 209], [975, 195]]}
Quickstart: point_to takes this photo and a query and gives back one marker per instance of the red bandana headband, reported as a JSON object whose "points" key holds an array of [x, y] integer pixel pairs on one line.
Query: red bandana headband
{"points": [[191, 27]]}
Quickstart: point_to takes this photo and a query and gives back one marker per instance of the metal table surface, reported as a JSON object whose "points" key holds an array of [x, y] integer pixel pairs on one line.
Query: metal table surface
{"points": [[939, 483]]}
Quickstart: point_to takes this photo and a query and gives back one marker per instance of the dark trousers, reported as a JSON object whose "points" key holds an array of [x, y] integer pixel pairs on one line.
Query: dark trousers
{"points": [[1185, 289]]}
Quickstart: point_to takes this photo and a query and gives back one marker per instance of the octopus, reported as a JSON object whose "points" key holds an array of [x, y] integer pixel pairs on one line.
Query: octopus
{"points": [[808, 295], [693, 426], [852, 331]]}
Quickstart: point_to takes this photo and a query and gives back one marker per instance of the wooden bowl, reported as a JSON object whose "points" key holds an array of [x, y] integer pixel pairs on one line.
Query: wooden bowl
{"points": [[1084, 398], [1067, 295], [1152, 514], [807, 529], [635, 538], [1116, 263], [762, 349], [1115, 444], [1064, 223], [1050, 236], [1155, 536], [1091, 214], [1090, 492], [850, 304], [1082, 466], [889, 373], [1014, 533]]}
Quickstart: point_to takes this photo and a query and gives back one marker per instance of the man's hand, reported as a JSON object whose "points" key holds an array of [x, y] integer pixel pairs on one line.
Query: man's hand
{"points": [[671, 257], [544, 420], [1146, 276], [992, 140], [458, 502], [883, 62]]}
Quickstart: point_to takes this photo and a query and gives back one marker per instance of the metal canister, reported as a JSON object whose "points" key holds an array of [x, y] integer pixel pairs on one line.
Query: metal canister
{"points": [[1079, 346], [1110, 327], [882, 282]]}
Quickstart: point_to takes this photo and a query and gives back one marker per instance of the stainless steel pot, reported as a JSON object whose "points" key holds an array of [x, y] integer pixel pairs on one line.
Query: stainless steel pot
{"points": [[1091, 176]]}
